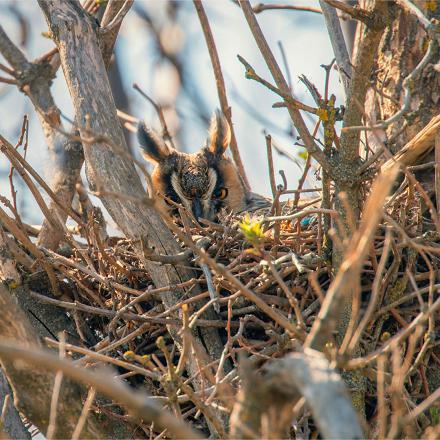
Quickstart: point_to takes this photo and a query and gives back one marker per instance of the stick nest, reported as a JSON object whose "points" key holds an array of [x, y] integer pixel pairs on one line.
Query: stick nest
{"points": [[119, 313]]}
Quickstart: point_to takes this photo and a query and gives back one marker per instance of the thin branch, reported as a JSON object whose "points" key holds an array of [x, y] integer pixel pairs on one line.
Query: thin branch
{"points": [[348, 274], [355, 12], [117, 19], [221, 88], [325, 393], [417, 147], [261, 7], [13, 55], [410, 7], [338, 43], [251, 74], [281, 83], [141, 406], [56, 393], [166, 136], [84, 413]]}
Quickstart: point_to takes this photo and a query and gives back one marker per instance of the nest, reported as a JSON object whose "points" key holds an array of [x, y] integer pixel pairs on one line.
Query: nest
{"points": [[283, 261]]}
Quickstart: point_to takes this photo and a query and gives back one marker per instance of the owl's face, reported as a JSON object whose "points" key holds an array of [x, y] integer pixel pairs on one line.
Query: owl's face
{"points": [[203, 182]]}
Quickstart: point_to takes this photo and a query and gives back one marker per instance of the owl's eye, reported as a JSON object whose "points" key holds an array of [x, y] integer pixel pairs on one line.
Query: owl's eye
{"points": [[221, 193]]}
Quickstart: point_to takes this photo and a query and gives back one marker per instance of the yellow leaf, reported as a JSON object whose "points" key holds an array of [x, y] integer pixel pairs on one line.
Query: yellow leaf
{"points": [[251, 229]]}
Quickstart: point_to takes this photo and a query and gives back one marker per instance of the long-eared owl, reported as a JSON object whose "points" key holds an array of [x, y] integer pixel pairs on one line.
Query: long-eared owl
{"points": [[203, 182]]}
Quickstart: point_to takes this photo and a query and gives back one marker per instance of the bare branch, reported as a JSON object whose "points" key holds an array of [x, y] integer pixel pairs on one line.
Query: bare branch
{"points": [[417, 147], [264, 403], [282, 85], [106, 168], [221, 88], [355, 12], [348, 276], [261, 7], [338, 43], [33, 389], [10, 421], [139, 404], [13, 55], [325, 393]]}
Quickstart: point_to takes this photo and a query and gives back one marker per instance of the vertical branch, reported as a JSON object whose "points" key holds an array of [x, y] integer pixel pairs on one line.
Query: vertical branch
{"points": [[338, 42], [221, 89], [35, 79], [363, 66]]}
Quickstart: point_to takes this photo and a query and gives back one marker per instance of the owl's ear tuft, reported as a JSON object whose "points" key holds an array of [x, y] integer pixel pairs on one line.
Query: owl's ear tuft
{"points": [[219, 134], [153, 147]]}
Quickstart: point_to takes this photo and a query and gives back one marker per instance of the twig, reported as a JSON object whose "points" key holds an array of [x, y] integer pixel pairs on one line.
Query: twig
{"points": [[83, 417], [211, 289], [117, 19], [282, 85], [261, 7], [56, 392], [423, 406], [355, 12], [221, 88], [165, 132], [300, 214], [9, 150], [310, 373], [419, 320], [251, 74], [4, 412], [141, 406], [437, 170], [375, 295], [348, 274], [418, 146], [103, 358], [338, 43], [220, 269], [410, 7]]}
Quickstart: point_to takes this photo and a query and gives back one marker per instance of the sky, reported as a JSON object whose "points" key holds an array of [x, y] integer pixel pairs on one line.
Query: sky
{"points": [[305, 42]]}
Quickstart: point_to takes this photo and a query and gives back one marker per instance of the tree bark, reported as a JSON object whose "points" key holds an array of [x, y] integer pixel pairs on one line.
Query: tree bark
{"points": [[402, 48], [412, 137], [13, 425], [67, 155], [76, 37], [33, 389], [264, 403]]}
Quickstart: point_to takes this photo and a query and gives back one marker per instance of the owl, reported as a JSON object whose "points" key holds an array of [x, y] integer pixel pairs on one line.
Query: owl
{"points": [[203, 182]]}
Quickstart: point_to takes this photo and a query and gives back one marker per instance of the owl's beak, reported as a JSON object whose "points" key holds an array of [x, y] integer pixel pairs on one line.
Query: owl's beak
{"points": [[197, 208]]}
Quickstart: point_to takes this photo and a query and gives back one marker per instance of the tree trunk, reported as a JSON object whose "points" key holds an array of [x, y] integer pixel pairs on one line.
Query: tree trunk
{"points": [[402, 48], [107, 169]]}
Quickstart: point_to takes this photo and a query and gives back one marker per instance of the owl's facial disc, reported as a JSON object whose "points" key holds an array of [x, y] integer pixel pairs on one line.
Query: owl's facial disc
{"points": [[195, 191]]}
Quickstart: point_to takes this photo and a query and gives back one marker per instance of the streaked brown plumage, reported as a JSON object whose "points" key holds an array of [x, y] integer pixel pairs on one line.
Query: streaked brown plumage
{"points": [[204, 182]]}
